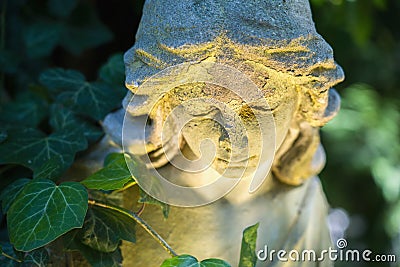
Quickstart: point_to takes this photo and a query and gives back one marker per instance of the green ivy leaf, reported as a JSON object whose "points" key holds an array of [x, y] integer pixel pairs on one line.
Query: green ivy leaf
{"points": [[41, 38], [190, 261], [37, 258], [181, 261], [115, 157], [52, 169], [48, 156], [27, 110], [248, 257], [114, 175], [9, 194], [152, 182], [84, 30], [214, 263], [113, 72], [44, 211], [93, 99], [145, 198], [61, 8], [59, 80], [104, 229], [94, 257], [62, 118], [101, 259]]}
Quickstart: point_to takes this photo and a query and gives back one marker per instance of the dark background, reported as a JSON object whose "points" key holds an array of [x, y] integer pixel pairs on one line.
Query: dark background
{"points": [[362, 176]]}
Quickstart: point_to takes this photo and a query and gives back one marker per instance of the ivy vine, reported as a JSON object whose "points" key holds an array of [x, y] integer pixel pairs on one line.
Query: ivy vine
{"points": [[49, 116]]}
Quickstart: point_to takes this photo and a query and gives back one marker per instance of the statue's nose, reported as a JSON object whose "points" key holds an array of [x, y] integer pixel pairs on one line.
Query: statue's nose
{"points": [[334, 75], [132, 134]]}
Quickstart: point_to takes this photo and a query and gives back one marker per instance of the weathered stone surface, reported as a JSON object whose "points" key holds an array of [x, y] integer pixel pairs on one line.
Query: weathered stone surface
{"points": [[290, 218], [275, 44], [280, 33]]}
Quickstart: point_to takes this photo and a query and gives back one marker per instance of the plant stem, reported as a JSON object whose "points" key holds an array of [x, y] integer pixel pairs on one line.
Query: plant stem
{"points": [[139, 212], [138, 220], [129, 185], [10, 257]]}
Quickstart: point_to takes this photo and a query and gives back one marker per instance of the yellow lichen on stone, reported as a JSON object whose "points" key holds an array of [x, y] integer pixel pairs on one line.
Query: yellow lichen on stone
{"points": [[224, 48], [291, 80], [149, 59], [261, 59]]}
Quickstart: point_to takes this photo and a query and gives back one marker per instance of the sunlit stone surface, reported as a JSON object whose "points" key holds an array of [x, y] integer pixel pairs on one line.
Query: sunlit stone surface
{"points": [[276, 45]]}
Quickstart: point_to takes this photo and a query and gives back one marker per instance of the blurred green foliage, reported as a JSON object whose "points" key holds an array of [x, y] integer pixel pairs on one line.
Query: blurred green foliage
{"points": [[363, 142], [56, 85]]}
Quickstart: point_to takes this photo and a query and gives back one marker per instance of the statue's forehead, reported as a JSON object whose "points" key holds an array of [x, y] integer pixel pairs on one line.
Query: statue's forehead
{"points": [[280, 34], [243, 21]]}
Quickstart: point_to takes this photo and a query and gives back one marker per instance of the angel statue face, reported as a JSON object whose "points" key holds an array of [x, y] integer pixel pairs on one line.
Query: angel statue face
{"points": [[291, 66]]}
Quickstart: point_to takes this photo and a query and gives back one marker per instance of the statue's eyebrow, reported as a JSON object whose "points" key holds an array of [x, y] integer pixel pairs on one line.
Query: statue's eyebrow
{"points": [[149, 59]]}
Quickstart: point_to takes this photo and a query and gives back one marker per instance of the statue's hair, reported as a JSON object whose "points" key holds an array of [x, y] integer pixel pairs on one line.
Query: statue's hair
{"points": [[277, 34], [233, 32]]}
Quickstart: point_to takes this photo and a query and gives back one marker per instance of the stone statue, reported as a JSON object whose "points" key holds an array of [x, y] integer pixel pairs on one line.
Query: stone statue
{"points": [[275, 44]]}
